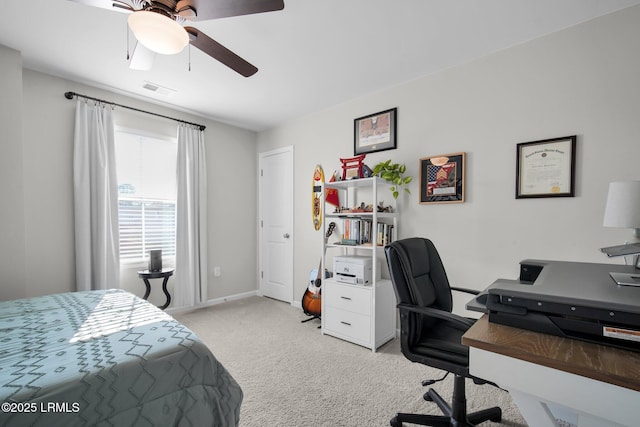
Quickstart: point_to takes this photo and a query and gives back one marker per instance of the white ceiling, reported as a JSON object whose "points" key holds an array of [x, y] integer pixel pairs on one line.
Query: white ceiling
{"points": [[312, 55]]}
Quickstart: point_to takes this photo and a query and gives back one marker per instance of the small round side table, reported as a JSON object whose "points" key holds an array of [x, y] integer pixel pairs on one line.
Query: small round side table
{"points": [[164, 274]]}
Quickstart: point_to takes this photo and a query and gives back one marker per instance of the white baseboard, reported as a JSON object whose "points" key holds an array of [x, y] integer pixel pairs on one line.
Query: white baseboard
{"points": [[212, 302], [230, 298]]}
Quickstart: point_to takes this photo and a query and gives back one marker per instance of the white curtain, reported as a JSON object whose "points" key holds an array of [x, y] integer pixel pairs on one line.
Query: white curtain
{"points": [[191, 229], [96, 198]]}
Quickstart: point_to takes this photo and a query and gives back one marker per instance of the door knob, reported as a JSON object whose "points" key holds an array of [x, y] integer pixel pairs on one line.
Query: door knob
{"points": [[286, 235]]}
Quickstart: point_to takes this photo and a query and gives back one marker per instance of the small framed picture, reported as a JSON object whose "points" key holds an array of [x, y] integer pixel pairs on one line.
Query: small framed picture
{"points": [[442, 179], [375, 132], [546, 168]]}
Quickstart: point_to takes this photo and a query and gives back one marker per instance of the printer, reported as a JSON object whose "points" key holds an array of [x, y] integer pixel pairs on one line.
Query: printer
{"points": [[354, 269], [567, 299]]}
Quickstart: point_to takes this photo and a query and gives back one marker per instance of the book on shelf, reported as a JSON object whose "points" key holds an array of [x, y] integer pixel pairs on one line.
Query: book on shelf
{"points": [[359, 231], [385, 233]]}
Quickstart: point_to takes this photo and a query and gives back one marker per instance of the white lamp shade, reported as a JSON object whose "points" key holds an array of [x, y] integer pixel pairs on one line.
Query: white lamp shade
{"points": [[157, 32], [623, 205]]}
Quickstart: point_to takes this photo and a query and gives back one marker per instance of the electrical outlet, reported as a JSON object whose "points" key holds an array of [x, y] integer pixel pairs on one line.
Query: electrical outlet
{"points": [[216, 272]]}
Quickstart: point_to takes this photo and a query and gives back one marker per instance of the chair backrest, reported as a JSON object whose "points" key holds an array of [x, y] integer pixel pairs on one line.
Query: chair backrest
{"points": [[419, 279], [417, 273]]}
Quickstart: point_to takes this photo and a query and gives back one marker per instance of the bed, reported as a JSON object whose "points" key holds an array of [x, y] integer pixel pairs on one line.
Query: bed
{"points": [[107, 358]]}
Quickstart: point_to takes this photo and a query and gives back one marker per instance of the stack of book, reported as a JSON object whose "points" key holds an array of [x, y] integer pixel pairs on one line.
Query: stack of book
{"points": [[359, 231]]}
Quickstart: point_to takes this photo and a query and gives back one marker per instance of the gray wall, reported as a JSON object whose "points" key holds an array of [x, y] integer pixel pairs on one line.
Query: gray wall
{"points": [[12, 261], [582, 80], [36, 223]]}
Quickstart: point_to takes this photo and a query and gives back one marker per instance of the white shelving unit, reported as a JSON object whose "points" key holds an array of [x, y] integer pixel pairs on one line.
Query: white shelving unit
{"points": [[362, 314]]}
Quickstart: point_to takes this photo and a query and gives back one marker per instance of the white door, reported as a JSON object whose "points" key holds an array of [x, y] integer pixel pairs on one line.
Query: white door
{"points": [[276, 224]]}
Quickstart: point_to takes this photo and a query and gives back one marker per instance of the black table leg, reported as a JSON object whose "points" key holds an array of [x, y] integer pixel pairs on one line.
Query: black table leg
{"points": [[164, 289], [148, 285]]}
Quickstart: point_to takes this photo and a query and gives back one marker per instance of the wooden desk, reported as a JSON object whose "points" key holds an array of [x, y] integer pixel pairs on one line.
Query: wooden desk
{"points": [[595, 384]]}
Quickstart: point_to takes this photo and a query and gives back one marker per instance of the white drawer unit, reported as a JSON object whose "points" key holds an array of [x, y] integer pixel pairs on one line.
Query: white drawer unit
{"points": [[357, 314]]}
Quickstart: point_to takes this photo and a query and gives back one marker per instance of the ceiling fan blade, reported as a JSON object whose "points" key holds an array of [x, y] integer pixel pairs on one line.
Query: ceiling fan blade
{"points": [[141, 58], [208, 9], [219, 52], [122, 5], [118, 5]]}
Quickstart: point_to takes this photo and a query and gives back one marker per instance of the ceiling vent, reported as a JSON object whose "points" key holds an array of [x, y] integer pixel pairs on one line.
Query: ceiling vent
{"points": [[156, 88]]}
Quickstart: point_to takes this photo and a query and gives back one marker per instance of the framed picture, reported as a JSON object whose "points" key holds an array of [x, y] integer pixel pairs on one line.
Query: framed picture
{"points": [[375, 132], [442, 179], [546, 168]]}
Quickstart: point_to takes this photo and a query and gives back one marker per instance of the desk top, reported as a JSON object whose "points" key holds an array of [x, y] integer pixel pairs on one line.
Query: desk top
{"points": [[599, 362]]}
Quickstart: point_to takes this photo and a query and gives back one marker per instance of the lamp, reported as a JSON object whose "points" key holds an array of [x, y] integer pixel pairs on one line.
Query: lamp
{"points": [[623, 211], [623, 207], [158, 32]]}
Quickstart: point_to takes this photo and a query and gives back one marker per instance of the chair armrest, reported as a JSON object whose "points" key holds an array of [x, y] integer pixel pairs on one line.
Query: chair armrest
{"points": [[465, 290], [456, 320]]}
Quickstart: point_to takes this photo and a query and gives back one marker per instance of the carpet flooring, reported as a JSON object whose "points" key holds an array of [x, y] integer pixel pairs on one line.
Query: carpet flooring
{"points": [[292, 375]]}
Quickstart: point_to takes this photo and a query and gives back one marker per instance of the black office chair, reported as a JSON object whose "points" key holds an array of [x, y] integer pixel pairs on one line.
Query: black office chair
{"points": [[429, 333]]}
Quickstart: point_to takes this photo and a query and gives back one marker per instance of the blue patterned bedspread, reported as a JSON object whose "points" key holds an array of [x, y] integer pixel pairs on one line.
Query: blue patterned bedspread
{"points": [[107, 358]]}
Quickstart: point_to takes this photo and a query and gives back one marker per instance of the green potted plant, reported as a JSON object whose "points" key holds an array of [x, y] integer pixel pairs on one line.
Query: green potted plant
{"points": [[393, 173]]}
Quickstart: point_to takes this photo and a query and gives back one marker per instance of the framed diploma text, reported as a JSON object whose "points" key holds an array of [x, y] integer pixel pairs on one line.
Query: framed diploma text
{"points": [[546, 168]]}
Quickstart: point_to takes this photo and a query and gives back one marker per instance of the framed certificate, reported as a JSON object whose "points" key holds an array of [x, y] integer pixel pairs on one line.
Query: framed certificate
{"points": [[546, 168]]}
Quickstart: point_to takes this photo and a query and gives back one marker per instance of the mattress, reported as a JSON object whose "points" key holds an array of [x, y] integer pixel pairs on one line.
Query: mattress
{"points": [[107, 358]]}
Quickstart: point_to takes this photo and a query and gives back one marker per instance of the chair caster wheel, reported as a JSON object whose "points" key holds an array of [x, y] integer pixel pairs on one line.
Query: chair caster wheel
{"points": [[497, 418], [427, 397], [395, 423]]}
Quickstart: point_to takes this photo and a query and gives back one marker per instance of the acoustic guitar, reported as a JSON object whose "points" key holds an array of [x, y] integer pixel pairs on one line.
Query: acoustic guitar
{"points": [[312, 298]]}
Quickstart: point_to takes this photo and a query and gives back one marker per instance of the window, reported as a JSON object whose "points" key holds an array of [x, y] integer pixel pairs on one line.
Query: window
{"points": [[146, 195]]}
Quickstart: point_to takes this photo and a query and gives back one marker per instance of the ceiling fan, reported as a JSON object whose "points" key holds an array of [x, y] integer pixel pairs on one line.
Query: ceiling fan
{"points": [[159, 26]]}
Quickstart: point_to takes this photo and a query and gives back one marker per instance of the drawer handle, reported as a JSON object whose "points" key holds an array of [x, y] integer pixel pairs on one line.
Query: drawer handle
{"points": [[347, 298], [345, 323]]}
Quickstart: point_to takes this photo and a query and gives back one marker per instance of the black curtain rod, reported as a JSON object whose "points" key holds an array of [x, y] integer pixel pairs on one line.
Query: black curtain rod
{"points": [[70, 95]]}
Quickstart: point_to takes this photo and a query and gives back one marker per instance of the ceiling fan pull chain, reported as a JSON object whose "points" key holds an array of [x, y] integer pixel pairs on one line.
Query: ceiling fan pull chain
{"points": [[189, 57], [127, 42]]}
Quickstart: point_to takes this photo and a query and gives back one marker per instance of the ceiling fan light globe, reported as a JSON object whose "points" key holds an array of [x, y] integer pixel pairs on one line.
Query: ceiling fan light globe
{"points": [[158, 33]]}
